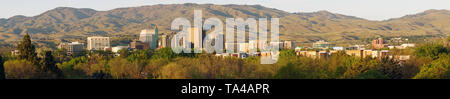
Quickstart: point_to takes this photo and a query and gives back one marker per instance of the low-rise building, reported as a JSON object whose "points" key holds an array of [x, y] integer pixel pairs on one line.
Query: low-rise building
{"points": [[300, 53], [408, 45], [338, 48], [289, 44], [384, 53], [314, 54], [323, 45], [368, 53], [323, 55], [403, 46], [404, 57], [98, 43], [138, 45], [116, 49], [74, 48], [15, 52], [265, 54], [280, 44], [356, 47], [333, 52], [356, 53]]}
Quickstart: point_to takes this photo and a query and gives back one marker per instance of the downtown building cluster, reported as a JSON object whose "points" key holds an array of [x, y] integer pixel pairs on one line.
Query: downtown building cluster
{"points": [[148, 40], [378, 48]]}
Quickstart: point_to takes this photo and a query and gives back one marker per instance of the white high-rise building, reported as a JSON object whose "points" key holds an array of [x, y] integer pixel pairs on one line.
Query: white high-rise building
{"points": [[196, 37], [150, 37], [98, 43]]}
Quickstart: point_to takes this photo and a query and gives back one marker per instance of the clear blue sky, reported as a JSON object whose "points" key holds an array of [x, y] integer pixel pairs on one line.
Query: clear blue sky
{"points": [[369, 9]]}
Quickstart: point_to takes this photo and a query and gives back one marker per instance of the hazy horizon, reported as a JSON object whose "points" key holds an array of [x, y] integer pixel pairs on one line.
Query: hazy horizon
{"points": [[371, 10]]}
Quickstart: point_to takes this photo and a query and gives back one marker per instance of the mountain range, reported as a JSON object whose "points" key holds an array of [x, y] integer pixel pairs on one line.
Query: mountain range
{"points": [[66, 22]]}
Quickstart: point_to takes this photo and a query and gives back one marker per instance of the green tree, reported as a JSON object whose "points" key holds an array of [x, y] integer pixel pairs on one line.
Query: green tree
{"points": [[152, 70], [124, 53], [431, 51], [27, 50], [164, 53], [448, 41], [48, 64], [448, 38], [371, 74], [100, 75], [140, 55], [2, 69], [438, 69], [122, 69], [287, 53], [61, 55], [20, 69], [174, 71], [390, 68], [69, 69], [291, 71]]}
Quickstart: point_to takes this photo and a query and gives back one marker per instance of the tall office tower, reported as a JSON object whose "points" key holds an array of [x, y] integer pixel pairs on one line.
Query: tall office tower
{"points": [[150, 37], [196, 37], [164, 41], [98, 43]]}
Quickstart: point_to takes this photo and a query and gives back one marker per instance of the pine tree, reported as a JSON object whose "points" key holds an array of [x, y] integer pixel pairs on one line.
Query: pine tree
{"points": [[48, 64], [2, 69], [27, 50]]}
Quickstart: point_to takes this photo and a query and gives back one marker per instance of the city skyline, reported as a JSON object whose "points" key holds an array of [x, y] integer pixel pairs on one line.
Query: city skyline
{"points": [[371, 10]]}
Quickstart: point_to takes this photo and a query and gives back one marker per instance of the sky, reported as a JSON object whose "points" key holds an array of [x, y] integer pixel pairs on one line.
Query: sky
{"points": [[368, 9]]}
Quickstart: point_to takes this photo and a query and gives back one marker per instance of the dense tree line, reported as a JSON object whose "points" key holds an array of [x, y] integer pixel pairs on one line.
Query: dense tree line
{"points": [[429, 61]]}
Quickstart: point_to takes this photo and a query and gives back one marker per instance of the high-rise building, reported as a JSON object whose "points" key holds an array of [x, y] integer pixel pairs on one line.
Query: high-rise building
{"points": [[98, 43], [73, 48], [196, 37], [150, 37], [165, 41]]}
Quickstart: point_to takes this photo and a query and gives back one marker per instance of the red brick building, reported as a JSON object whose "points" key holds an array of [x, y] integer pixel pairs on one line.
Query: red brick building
{"points": [[378, 44]]}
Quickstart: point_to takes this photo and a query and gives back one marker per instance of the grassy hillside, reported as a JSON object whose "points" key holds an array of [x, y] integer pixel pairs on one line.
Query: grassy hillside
{"points": [[61, 24]]}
